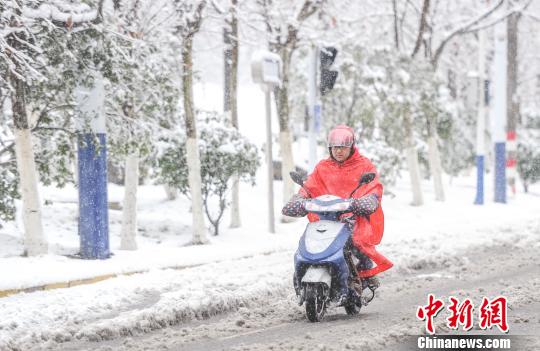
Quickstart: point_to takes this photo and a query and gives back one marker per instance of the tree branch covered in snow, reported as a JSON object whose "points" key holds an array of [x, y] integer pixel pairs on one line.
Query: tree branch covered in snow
{"points": [[463, 29], [62, 11]]}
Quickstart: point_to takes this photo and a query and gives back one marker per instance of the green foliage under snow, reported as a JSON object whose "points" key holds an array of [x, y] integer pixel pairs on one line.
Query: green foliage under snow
{"points": [[223, 152]]}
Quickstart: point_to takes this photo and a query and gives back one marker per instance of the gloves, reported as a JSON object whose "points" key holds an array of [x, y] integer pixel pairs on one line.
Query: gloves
{"points": [[365, 205], [295, 207]]}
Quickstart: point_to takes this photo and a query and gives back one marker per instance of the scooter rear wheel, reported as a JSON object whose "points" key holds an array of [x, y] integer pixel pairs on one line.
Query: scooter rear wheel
{"points": [[351, 309]]}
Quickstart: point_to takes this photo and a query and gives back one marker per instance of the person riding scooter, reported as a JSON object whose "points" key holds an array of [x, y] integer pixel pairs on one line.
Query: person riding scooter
{"points": [[339, 175]]}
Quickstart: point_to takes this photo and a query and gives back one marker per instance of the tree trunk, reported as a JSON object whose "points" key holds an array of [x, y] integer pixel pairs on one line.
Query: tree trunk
{"points": [[436, 167], [412, 162], [230, 38], [287, 165], [170, 192], [285, 140], [192, 150], [35, 242], [129, 215], [434, 160], [396, 30]]}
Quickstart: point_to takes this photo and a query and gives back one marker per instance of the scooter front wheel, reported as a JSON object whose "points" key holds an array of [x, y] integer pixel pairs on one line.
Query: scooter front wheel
{"points": [[315, 302]]}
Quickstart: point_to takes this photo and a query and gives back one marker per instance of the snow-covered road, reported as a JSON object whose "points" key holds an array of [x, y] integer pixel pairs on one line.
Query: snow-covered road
{"points": [[248, 303], [388, 323]]}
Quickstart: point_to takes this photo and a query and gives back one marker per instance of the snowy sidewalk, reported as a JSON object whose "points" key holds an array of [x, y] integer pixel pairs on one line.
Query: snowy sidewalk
{"points": [[55, 271], [436, 228]]}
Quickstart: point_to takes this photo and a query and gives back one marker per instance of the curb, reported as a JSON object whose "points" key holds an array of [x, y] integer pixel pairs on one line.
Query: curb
{"points": [[62, 285]]}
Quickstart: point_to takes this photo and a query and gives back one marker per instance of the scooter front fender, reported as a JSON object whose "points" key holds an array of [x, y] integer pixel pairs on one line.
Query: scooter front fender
{"points": [[317, 275]]}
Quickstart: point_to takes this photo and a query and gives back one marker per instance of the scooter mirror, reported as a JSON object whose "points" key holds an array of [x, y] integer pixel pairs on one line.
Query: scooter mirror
{"points": [[367, 178], [364, 179], [297, 178]]}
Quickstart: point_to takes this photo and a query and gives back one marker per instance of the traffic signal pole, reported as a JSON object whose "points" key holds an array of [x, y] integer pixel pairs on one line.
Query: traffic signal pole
{"points": [[327, 77], [312, 100]]}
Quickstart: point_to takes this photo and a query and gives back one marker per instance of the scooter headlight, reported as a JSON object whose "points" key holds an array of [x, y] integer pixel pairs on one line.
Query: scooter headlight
{"points": [[337, 207], [313, 207]]}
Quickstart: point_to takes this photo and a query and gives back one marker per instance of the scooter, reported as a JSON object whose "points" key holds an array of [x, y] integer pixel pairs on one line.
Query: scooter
{"points": [[325, 264]]}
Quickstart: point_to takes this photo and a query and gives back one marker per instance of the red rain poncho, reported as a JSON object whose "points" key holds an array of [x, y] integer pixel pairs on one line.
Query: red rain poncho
{"points": [[339, 179]]}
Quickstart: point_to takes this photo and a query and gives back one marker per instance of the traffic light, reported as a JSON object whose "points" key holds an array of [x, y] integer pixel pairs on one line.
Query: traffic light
{"points": [[328, 77]]}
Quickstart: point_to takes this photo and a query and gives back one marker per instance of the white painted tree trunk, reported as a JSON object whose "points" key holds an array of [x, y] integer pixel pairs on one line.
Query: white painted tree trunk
{"points": [[235, 204], [172, 193], [287, 165], [129, 214], [435, 167], [414, 172], [195, 185], [35, 242]]}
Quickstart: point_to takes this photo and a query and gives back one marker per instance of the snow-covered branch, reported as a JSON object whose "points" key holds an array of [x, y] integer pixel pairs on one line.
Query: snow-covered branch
{"points": [[500, 18], [62, 12], [462, 30]]}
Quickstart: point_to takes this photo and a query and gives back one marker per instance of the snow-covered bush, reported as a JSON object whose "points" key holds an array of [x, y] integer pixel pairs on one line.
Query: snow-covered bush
{"points": [[8, 192], [384, 157], [224, 152], [528, 155]]}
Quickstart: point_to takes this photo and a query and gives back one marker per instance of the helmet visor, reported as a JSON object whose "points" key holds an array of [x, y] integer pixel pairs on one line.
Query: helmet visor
{"points": [[340, 137]]}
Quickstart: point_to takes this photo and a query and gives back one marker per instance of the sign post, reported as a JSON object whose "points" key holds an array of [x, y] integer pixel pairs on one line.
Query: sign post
{"points": [[266, 71]]}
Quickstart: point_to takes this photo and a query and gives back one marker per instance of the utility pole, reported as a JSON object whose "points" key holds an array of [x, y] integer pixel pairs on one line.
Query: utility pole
{"points": [[312, 100], [500, 111], [269, 163], [92, 158], [512, 103], [480, 122]]}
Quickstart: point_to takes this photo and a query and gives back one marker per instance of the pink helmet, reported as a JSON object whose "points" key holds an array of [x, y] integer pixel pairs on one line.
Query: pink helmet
{"points": [[341, 135]]}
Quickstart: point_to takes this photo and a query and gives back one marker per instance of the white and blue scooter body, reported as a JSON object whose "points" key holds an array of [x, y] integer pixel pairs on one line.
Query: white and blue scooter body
{"points": [[320, 257]]}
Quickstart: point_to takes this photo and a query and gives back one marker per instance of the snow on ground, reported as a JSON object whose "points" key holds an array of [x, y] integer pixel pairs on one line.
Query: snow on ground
{"points": [[238, 268]]}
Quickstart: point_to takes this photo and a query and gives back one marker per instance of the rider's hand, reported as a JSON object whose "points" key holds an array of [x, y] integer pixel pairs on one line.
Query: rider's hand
{"points": [[365, 205], [295, 207]]}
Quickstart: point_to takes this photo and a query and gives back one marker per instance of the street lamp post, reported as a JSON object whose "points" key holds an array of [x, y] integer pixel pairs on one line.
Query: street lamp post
{"points": [[266, 71]]}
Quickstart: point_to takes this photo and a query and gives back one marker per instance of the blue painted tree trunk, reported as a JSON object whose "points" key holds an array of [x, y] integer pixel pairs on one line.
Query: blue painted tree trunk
{"points": [[93, 217]]}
